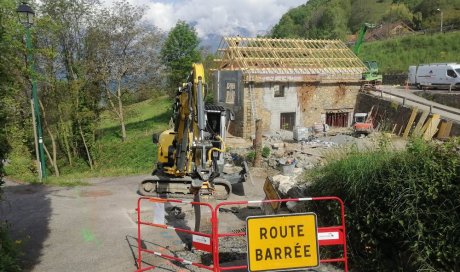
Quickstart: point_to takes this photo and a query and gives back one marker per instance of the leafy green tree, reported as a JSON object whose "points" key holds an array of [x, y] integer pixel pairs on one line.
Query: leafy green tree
{"points": [[122, 54], [333, 24], [179, 52], [5, 81], [9, 87], [431, 15], [411, 4], [299, 21], [15, 86], [70, 20], [398, 12], [316, 19]]}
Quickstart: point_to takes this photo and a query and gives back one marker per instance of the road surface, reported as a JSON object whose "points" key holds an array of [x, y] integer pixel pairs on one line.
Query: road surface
{"points": [[87, 228]]}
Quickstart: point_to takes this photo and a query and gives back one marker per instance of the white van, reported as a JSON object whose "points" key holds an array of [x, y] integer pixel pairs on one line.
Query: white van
{"points": [[437, 75]]}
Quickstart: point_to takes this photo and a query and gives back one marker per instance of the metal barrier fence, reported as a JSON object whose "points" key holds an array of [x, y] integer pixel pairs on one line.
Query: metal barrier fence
{"points": [[327, 235]]}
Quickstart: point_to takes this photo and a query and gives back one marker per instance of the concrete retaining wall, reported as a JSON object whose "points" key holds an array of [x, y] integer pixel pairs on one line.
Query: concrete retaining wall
{"points": [[394, 79], [448, 99], [391, 116]]}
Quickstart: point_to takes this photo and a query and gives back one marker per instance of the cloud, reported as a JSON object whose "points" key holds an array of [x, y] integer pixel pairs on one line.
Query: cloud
{"points": [[221, 17]]}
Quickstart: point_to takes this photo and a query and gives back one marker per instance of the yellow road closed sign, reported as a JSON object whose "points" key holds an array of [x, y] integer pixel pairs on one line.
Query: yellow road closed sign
{"points": [[282, 242]]}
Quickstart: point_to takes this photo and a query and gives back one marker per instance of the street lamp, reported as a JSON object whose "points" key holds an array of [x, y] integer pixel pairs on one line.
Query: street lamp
{"points": [[441, 17], [26, 17]]}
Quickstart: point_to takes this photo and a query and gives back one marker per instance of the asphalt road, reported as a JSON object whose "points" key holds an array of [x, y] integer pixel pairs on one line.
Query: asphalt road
{"points": [[88, 228], [74, 229], [93, 228]]}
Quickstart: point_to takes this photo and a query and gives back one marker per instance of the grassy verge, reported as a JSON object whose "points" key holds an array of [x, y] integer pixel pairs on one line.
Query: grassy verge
{"points": [[9, 250], [401, 206], [396, 55]]}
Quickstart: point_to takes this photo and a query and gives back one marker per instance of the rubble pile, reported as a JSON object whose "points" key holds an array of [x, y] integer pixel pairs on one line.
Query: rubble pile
{"points": [[289, 158]]}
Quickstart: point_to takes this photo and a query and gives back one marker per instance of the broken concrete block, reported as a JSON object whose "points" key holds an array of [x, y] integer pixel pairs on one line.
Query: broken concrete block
{"points": [[278, 179], [285, 184], [272, 162], [277, 146]]}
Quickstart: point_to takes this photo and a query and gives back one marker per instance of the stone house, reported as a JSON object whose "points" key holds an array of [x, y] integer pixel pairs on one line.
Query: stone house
{"points": [[286, 83]]}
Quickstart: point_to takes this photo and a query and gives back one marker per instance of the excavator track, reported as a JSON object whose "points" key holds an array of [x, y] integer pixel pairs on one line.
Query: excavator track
{"points": [[179, 189]]}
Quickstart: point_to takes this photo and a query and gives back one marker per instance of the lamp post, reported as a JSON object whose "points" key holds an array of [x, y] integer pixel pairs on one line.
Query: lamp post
{"points": [[441, 17], [26, 17]]}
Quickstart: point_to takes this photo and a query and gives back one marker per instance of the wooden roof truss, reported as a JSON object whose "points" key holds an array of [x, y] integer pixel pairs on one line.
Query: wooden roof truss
{"points": [[288, 57]]}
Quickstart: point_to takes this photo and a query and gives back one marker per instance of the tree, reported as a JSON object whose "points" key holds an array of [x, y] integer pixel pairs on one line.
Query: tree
{"points": [[15, 86], [80, 111], [5, 81], [122, 54], [398, 12], [179, 52]]}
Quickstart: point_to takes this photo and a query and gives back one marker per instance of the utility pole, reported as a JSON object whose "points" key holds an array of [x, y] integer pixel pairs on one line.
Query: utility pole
{"points": [[26, 17]]}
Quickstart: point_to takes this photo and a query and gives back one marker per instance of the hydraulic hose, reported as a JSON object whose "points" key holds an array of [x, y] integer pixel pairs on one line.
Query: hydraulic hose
{"points": [[221, 150]]}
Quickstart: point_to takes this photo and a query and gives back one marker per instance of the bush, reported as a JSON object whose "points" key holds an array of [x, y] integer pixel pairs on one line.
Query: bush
{"points": [[266, 151], [8, 251], [402, 207], [250, 156]]}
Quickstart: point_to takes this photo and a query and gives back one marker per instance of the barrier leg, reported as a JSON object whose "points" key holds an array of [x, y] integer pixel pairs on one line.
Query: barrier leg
{"points": [[215, 240], [139, 244]]}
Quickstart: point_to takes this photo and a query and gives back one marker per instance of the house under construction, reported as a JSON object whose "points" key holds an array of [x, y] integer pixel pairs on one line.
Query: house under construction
{"points": [[286, 83]]}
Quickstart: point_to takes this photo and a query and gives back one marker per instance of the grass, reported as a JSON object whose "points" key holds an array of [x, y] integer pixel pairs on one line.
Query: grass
{"points": [[401, 205], [113, 157], [396, 55]]}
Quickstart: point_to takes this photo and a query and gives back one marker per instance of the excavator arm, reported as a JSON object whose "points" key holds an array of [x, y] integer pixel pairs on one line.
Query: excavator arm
{"points": [[361, 35]]}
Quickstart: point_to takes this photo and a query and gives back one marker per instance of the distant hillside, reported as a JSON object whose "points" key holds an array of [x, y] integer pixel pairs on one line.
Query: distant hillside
{"points": [[333, 19], [396, 55]]}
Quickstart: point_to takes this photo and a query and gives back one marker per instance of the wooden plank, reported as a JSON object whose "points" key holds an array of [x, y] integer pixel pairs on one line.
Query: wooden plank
{"points": [[432, 127], [369, 115], [448, 129], [400, 130], [420, 123], [411, 121], [425, 126], [444, 130], [271, 193], [394, 129]]}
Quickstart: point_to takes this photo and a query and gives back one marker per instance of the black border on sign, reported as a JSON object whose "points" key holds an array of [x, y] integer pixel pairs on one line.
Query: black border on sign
{"points": [[284, 215]]}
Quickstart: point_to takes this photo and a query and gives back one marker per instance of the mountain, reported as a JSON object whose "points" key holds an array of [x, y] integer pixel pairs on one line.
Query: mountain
{"points": [[212, 41], [332, 19]]}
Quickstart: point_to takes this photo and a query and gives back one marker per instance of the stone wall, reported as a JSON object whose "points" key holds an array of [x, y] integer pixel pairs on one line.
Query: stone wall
{"points": [[317, 100], [448, 99], [388, 116], [309, 101]]}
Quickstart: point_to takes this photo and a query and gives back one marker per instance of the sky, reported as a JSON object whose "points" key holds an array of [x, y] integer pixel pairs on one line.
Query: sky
{"points": [[218, 17]]}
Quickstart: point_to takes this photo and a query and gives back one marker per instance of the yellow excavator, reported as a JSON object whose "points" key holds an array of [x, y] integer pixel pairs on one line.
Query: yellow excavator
{"points": [[190, 155]]}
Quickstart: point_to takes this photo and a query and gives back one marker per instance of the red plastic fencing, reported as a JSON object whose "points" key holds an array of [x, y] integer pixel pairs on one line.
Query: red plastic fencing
{"points": [[327, 236]]}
